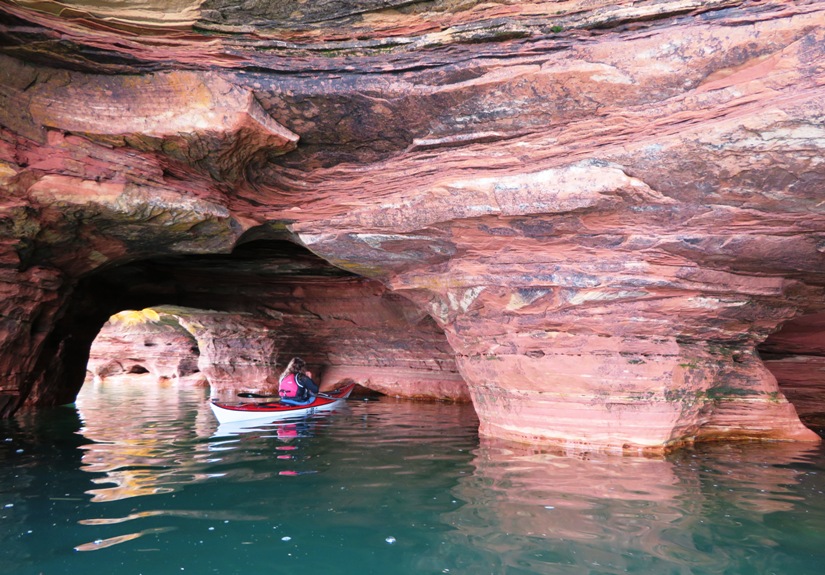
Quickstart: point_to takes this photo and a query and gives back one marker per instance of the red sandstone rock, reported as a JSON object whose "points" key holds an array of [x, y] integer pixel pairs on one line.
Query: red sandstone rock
{"points": [[236, 351], [376, 343], [163, 349], [401, 382], [795, 355], [604, 207], [196, 119]]}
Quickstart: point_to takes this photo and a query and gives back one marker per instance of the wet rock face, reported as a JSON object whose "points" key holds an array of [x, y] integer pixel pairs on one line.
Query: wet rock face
{"points": [[592, 213]]}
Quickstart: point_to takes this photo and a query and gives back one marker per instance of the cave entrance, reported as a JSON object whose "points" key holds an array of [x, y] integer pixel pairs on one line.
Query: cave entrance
{"points": [[796, 356], [156, 342], [245, 314]]}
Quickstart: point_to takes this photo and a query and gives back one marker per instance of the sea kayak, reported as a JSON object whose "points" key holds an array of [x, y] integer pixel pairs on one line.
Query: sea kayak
{"points": [[228, 412]]}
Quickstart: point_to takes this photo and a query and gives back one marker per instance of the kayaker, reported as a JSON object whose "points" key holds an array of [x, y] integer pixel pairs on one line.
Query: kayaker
{"points": [[295, 385]]}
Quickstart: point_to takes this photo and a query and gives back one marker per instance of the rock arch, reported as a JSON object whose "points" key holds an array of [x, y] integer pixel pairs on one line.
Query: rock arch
{"points": [[248, 312], [795, 355], [606, 208]]}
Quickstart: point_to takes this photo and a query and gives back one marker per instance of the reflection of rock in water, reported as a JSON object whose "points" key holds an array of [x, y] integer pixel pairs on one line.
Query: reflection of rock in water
{"points": [[532, 511], [110, 541], [147, 439], [141, 437]]}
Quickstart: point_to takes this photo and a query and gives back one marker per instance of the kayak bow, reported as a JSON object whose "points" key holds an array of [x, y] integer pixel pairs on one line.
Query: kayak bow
{"points": [[228, 412]]}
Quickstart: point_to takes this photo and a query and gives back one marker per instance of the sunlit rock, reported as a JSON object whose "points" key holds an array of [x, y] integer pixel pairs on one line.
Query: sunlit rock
{"points": [[135, 342], [236, 350]]}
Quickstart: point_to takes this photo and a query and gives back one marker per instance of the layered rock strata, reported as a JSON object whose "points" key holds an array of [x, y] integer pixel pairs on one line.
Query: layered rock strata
{"points": [[144, 344], [232, 351], [603, 207], [796, 356], [262, 305]]}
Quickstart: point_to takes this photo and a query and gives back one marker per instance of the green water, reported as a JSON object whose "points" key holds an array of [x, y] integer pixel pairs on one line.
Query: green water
{"points": [[140, 479]]}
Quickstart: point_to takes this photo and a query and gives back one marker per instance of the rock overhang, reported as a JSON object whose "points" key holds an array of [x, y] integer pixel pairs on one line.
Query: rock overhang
{"points": [[546, 188]]}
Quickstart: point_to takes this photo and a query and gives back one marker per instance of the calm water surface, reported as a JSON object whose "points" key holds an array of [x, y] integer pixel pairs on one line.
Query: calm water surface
{"points": [[140, 479]]}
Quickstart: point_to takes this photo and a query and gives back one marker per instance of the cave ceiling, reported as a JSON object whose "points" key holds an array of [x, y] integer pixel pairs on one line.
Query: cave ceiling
{"points": [[604, 206]]}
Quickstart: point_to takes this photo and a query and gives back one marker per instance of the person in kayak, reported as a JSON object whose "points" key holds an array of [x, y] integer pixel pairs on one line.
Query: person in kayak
{"points": [[295, 384]]}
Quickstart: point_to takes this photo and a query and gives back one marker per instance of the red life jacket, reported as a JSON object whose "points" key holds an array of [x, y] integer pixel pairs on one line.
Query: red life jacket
{"points": [[288, 386]]}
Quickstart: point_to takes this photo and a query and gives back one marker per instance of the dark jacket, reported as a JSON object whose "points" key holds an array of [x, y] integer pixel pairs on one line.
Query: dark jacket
{"points": [[306, 387]]}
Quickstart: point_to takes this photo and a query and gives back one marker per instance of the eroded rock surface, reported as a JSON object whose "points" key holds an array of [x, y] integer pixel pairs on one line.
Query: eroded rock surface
{"points": [[157, 346], [271, 301], [796, 356], [593, 212]]}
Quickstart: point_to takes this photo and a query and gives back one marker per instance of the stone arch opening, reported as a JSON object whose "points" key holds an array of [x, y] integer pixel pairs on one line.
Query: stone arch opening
{"points": [[795, 355], [151, 342], [272, 292]]}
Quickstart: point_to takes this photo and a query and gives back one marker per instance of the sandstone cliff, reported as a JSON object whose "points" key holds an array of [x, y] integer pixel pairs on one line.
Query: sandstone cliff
{"points": [[593, 213]]}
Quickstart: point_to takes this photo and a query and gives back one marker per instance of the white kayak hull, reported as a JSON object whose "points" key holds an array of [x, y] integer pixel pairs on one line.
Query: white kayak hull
{"points": [[227, 412]]}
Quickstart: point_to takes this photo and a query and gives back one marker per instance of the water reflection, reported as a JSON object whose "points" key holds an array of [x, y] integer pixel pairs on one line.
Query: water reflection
{"points": [[138, 441], [99, 544], [144, 476], [284, 429], [39, 476], [706, 510]]}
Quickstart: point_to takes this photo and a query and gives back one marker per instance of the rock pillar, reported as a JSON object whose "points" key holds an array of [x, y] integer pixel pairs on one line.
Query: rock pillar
{"points": [[583, 313], [617, 393], [28, 306], [620, 364], [237, 351]]}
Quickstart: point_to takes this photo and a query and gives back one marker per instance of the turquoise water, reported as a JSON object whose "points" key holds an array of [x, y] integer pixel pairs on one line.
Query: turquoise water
{"points": [[140, 479]]}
